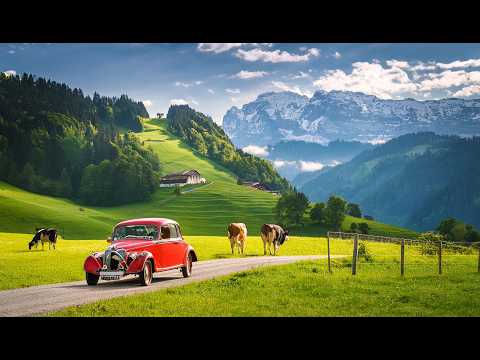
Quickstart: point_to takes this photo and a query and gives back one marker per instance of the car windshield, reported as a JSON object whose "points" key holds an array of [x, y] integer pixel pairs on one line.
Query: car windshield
{"points": [[135, 231]]}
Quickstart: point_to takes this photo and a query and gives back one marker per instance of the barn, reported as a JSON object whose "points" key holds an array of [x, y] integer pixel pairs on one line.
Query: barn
{"points": [[182, 178]]}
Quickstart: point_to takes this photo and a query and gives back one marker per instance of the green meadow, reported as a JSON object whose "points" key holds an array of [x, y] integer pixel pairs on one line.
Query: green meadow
{"points": [[308, 289]]}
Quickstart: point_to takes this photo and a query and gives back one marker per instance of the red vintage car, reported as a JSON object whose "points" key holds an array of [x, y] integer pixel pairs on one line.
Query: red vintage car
{"points": [[141, 247]]}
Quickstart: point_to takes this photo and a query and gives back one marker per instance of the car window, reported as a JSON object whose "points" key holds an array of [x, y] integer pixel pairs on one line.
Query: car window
{"points": [[178, 231], [134, 231], [165, 232], [173, 231]]}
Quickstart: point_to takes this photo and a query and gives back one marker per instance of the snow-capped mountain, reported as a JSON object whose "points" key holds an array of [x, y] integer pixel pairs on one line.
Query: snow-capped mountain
{"points": [[333, 115]]}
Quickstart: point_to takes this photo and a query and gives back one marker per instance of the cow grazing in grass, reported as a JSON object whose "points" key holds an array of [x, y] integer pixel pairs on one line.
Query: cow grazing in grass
{"points": [[43, 236], [237, 234], [272, 234]]}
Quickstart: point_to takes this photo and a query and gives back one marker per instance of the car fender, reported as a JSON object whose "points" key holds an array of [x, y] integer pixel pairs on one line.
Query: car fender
{"points": [[93, 264], [190, 249], [138, 263]]}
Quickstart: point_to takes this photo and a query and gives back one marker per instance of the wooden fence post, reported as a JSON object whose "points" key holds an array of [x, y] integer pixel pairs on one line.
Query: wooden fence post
{"points": [[355, 253], [328, 250], [402, 257], [440, 258]]}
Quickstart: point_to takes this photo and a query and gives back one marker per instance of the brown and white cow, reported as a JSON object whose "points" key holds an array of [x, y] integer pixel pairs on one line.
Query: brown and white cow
{"points": [[272, 234], [237, 234]]}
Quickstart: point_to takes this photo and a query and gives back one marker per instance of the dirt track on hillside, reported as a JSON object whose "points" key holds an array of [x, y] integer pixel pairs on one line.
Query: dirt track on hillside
{"points": [[37, 299]]}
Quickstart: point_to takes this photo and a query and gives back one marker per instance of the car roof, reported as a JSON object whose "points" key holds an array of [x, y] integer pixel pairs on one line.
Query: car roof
{"points": [[150, 221]]}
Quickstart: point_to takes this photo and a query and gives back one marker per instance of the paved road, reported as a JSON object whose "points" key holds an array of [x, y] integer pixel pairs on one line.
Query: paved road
{"points": [[37, 299]]}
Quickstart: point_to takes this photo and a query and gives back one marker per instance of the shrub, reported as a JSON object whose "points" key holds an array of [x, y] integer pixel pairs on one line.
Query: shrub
{"points": [[364, 252]]}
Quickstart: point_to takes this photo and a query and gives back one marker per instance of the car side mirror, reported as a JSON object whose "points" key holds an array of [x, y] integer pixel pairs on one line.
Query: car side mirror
{"points": [[109, 239]]}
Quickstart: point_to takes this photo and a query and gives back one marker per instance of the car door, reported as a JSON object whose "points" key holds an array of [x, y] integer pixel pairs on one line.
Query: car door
{"points": [[179, 244], [167, 246]]}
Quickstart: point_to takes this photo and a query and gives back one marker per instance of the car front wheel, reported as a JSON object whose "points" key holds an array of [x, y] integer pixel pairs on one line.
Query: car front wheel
{"points": [[187, 270], [146, 275], [92, 279]]}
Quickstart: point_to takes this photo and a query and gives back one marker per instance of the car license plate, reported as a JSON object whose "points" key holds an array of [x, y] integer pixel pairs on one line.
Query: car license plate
{"points": [[111, 275]]}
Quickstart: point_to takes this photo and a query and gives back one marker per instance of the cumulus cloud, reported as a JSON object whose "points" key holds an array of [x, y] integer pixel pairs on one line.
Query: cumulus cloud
{"points": [[369, 78], [256, 150], [10, 73], [178, 102], [275, 56], [147, 103], [11, 52], [245, 75], [194, 102], [211, 91], [188, 84], [296, 89], [337, 55], [217, 47], [468, 91], [307, 166], [233, 91]]}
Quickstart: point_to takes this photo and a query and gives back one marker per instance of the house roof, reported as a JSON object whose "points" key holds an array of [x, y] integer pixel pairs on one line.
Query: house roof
{"points": [[182, 174]]}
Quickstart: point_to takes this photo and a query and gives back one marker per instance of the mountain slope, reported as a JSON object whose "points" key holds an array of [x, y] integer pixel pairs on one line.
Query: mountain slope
{"points": [[328, 116], [201, 210], [205, 211], [414, 180], [202, 134]]}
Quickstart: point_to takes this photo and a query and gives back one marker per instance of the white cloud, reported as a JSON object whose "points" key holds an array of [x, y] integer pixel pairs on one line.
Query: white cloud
{"points": [[194, 102], [188, 84], [233, 91], [398, 64], [233, 99], [468, 91], [147, 103], [369, 78], [178, 102], [11, 52], [256, 150], [306, 166], [211, 91], [460, 64], [244, 74], [275, 56], [448, 78], [10, 73], [337, 55], [296, 89], [217, 47]]}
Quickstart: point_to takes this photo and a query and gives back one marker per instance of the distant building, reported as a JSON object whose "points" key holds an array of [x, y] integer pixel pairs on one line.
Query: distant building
{"points": [[260, 186], [182, 178]]}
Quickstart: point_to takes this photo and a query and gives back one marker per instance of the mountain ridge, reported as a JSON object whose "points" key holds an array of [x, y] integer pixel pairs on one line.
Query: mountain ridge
{"points": [[345, 115]]}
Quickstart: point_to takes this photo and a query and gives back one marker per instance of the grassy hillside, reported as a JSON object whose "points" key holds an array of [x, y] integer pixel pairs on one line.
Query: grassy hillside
{"points": [[204, 211], [201, 210]]}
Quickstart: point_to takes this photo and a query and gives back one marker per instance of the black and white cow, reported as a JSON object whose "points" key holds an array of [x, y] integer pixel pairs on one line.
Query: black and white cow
{"points": [[272, 234], [43, 236]]}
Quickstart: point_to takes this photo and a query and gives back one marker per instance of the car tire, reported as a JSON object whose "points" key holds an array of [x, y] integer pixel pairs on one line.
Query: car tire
{"points": [[187, 270], [146, 275], [92, 279]]}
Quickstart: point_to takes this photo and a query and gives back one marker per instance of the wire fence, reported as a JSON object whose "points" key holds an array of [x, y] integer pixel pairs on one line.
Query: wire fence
{"points": [[404, 255]]}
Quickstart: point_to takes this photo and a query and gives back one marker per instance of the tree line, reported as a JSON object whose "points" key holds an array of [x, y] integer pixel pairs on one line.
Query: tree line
{"points": [[292, 206], [56, 141], [209, 139]]}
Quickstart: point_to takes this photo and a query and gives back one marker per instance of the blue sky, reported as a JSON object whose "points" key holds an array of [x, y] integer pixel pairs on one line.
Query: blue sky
{"points": [[214, 77]]}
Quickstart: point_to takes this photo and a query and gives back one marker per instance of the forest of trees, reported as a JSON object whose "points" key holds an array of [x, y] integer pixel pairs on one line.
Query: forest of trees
{"points": [[209, 139], [56, 141]]}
